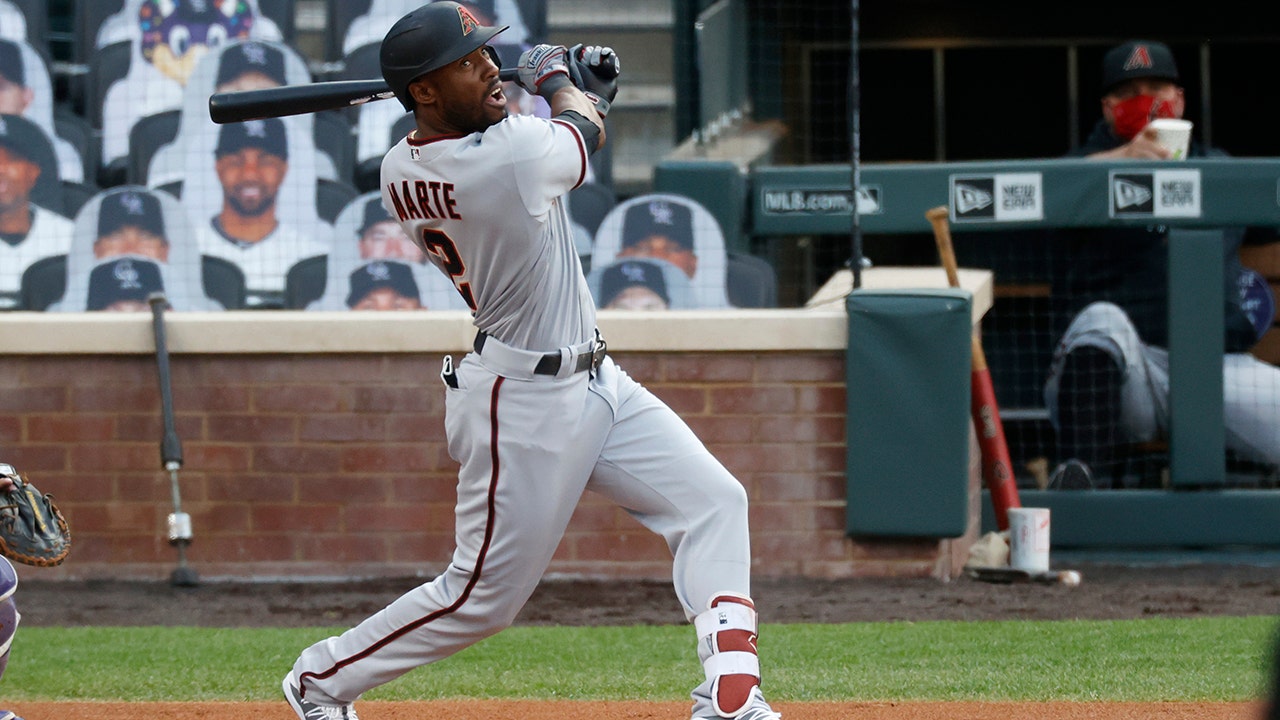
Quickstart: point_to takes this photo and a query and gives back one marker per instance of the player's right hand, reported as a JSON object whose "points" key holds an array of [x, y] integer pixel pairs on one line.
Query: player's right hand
{"points": [[541, 63], [595, 70]]}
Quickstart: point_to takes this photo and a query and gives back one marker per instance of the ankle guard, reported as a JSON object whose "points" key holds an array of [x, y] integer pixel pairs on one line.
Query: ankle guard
{"points": [[727, 648]]}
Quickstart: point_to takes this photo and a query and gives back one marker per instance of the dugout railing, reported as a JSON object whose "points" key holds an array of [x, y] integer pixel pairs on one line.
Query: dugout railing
{"points": [[1199, 508]]}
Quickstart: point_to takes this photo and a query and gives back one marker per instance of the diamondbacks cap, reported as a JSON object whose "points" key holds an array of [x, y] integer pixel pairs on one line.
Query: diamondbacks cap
{"points": [[1138, 59], [125, 278], [382, 274], [135, 208], [658, 217], [268, 135]]}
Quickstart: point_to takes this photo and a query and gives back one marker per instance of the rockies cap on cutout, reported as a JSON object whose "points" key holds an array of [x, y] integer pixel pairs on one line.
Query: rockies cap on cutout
{"points": [[658, 217], [22, 137], [267, 135], [11, 65], [250, 57], [630, 273], [382, 274], [1137, 59], [130, 208], [374, 213], [125, 278]]}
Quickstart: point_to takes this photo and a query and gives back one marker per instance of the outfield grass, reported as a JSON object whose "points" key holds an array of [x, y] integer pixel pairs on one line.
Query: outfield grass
{"points": [[1204, 659]]}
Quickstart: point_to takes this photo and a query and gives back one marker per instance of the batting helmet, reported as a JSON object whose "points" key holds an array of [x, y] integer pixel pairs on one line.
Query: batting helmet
{"points": [[428, 38]]}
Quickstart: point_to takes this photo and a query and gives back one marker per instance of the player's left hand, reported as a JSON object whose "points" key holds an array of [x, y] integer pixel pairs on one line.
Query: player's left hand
{"points": [[594, 70], [540, 64]]}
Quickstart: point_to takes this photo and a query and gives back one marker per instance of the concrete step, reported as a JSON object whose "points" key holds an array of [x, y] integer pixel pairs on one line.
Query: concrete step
{"points": [[645, 56], [593, 14]]}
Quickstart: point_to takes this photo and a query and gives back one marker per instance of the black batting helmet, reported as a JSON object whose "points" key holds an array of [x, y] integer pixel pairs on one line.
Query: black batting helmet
{"points": [[430, 37]]}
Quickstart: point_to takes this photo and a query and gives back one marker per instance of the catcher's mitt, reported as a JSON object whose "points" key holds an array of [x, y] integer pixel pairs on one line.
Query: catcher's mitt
{"points": [[32, 529]]}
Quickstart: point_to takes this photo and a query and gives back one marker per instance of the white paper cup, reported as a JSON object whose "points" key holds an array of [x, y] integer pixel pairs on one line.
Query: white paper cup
{"points": [[1174, 134], [1029, 539]]}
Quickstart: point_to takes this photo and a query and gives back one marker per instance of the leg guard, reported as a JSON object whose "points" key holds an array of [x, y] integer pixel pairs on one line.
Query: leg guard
{"points": [[727, 648], [9, 616], [9, 619]]}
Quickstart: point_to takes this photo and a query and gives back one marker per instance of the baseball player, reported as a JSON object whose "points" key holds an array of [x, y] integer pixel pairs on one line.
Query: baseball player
{"points": [[537, 413]]}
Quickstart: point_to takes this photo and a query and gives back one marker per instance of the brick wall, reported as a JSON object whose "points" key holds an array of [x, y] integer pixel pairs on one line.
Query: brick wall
{"points": [[334, 465]]}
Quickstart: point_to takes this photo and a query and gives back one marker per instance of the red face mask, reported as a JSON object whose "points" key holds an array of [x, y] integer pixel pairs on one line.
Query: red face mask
{"points": [[1133, 114]]}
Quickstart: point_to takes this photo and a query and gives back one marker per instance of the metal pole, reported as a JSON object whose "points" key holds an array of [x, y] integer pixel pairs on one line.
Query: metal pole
{"points": [[855, 144]]}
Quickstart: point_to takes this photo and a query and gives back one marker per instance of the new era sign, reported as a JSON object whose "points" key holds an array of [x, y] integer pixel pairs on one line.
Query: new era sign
{"points": [[1155, 193], [1001, 197]]}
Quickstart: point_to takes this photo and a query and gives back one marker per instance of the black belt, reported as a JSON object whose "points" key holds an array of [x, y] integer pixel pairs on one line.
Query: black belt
{"points": [[549, 363]]}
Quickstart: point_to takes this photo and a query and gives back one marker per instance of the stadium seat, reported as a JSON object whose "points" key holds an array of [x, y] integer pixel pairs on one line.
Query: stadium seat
{"points": [[589, 203], [75, 129], [284, 14], [751, 281], [340, 14], [106, 66], [75, 195], [35, 14], [332, 196], [146, 137], [223, 281], [44, 283], [305, 282], [334, 137]]}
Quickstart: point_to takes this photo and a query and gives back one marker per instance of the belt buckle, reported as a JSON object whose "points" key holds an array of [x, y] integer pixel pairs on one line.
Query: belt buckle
{"points": [[598, 353]]}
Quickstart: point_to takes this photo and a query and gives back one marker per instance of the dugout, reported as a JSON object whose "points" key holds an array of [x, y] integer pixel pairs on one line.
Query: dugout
{"points": [[1203, 504]]}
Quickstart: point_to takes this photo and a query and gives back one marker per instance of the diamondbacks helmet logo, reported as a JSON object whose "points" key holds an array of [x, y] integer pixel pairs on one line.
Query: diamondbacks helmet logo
{"points": [[469, 22], [1140, 58]]}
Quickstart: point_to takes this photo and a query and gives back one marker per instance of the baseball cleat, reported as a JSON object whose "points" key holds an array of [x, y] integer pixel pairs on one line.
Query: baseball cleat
{"points": [[6, 715], [308, 710], [757, 709]]}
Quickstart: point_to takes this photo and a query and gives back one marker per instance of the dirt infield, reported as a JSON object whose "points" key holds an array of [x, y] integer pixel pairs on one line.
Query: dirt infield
{"points": [[581, 710]]}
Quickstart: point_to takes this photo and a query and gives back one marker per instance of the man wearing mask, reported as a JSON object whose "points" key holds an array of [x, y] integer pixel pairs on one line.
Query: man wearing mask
{"points": [[1108, 384]]}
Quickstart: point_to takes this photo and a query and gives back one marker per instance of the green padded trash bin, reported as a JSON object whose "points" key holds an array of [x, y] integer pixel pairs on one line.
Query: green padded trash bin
{"points": [[908, 412]]}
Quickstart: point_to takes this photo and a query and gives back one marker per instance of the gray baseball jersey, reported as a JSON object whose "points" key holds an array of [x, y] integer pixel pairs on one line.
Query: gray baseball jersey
{"points": [[503, 238]]}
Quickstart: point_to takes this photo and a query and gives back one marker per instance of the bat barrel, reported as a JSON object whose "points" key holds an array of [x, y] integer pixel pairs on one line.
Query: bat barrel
{"points": [[294, 99], [285, 100]]}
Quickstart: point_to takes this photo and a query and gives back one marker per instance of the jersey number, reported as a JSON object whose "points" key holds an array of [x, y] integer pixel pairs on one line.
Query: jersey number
{"points": [[446, 254]]}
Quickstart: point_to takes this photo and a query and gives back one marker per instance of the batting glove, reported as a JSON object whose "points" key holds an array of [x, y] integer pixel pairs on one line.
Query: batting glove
{"points": [[543, 69], [594, 70]]}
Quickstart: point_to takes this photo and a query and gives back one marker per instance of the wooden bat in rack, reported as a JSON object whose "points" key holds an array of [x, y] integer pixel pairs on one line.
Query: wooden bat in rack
{"points": [[997, 469]]}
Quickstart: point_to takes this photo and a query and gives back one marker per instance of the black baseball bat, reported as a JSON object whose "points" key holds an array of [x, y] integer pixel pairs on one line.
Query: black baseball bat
{"points": [[170, 443], [171, 449], [239, 106]]}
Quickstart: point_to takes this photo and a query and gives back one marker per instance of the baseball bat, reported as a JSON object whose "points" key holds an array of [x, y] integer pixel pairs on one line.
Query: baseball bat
{"points": [[285, 100], [171, 447], [997, 468]]}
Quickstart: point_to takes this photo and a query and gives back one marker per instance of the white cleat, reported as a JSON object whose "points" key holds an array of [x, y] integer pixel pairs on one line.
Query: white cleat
{"points": [[757, 709], [308, 710]]}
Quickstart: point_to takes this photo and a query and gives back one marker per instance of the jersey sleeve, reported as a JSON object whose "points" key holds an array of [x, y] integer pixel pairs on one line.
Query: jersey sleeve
{"points": [[548, 159]]}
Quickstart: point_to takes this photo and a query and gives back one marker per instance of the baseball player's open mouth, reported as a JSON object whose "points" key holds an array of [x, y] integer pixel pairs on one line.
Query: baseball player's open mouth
{"points": [[497, 97]]}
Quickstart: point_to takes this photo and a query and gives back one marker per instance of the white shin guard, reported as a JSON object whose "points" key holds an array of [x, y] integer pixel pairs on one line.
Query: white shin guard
{"points": [[727, 649]]}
